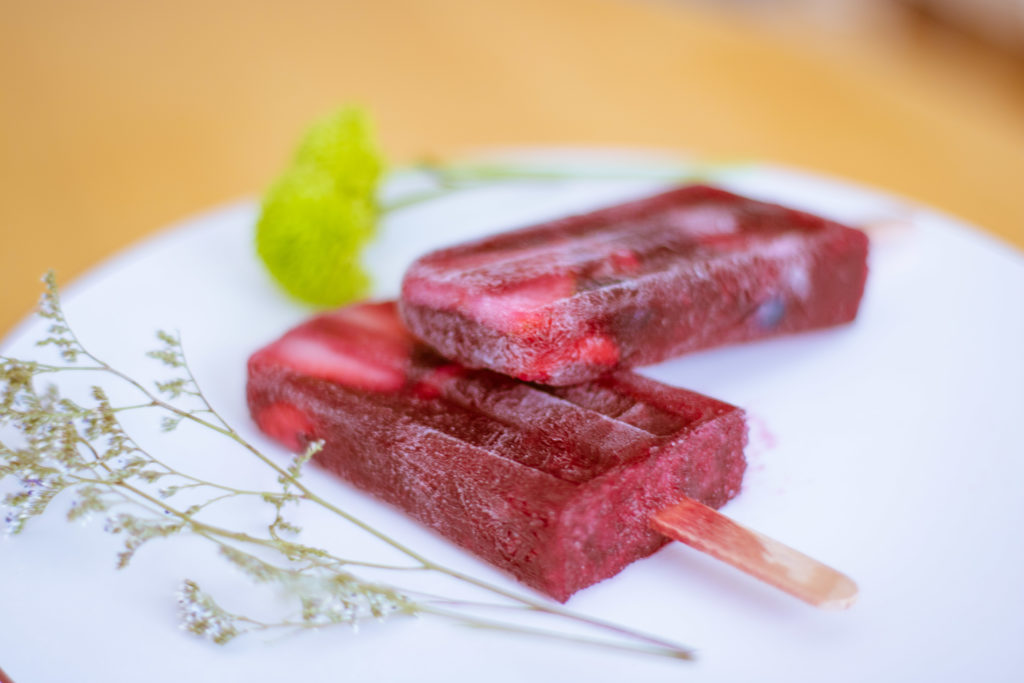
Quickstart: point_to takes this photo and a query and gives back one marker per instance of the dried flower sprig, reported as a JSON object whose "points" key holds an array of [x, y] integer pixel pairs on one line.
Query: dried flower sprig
{"points": [[81, 450]]}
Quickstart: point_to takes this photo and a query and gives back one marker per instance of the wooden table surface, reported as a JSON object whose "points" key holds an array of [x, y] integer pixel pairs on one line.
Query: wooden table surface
{"points": [[119, 117]]}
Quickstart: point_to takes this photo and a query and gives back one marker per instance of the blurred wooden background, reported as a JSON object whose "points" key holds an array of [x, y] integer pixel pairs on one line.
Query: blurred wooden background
{"points": [[119, 117]]}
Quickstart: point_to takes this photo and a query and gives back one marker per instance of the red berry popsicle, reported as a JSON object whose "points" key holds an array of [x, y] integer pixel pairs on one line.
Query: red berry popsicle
{"points": [[556, 486], [566, 301]]}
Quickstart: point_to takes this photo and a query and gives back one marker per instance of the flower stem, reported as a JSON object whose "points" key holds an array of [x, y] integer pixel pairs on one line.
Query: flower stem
{"points": [[451, 178], [656, 647]]}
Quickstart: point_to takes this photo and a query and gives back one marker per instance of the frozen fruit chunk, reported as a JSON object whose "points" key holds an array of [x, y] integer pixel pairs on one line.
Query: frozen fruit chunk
{"points": [[554, 485], [634, 284], [285, 423]]}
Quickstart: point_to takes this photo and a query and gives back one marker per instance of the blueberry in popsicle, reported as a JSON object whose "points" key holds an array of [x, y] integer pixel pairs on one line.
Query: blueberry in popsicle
{"points": [[561, 487], [696, 267]]}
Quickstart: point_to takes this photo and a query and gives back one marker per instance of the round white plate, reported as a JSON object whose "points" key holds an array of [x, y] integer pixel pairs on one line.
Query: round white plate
{"points": [[890, 449]]}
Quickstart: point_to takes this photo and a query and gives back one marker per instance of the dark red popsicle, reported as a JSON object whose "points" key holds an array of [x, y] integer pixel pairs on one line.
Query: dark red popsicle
{"points": [[566, 301], [554, 485]]}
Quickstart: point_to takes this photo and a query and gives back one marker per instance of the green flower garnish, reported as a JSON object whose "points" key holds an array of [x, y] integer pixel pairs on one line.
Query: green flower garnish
{"points": [[321, 212], [343, 145]]}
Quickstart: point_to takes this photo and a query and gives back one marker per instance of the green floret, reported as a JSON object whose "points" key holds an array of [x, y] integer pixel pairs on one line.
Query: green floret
{"points": [[310, 237], [343, 144], [320, 213]]}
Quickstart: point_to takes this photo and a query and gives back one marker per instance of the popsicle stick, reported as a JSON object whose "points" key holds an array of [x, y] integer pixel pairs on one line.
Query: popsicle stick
{"points": [[777, 564]]}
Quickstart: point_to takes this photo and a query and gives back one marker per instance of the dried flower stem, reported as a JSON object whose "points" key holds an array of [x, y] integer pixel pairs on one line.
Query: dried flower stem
{"points": [[86, 450], [448, 178]]}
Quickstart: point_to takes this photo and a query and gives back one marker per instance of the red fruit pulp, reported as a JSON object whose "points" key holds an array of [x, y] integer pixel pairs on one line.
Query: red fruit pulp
{"points": [[553, 485], [688, 269]]}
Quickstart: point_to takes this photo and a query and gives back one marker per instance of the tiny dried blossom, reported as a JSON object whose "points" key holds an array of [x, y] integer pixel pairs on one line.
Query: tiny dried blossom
{"points": [[252, 566], [170, 355], [295, 469], [327, 596], [283, 526], [169, 423], [139, 531], [340, 597], [201, 615], [90, 500], [60, 332], [31, 500], [325, 602], [168, 491]]}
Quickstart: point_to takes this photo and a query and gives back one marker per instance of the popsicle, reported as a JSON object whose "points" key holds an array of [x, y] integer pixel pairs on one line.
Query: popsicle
{"points": [[695, 267], [556, 486]]}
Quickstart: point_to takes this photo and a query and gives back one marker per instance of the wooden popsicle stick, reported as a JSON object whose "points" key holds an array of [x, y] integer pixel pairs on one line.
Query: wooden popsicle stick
{"points": [[709, 531]]}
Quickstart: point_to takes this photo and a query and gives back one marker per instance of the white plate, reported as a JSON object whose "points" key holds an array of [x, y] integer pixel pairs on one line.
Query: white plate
{"points": [[890, 449]]}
